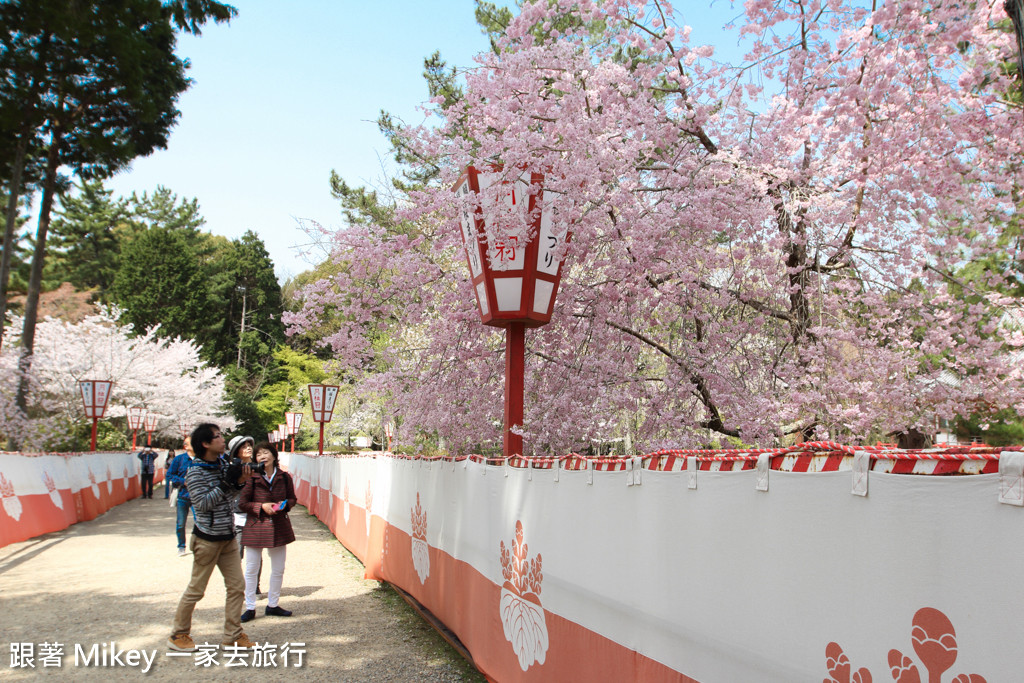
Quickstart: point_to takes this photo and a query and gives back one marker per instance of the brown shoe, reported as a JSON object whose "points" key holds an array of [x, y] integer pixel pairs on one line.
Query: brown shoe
{"points": [[181, 642], [241, 641]]}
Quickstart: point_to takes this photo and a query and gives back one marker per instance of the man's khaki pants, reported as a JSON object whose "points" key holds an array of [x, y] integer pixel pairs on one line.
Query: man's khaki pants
{"points": [[205, 556]]}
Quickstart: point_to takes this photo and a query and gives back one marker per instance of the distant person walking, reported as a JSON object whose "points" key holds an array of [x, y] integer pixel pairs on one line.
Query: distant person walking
{"points": [[176, 476], [148, 458], [167, 466], [266, 500], [212, 482]]}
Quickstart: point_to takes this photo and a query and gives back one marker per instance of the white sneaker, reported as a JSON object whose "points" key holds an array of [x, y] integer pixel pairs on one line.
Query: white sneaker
{"points": [[182, 552]]}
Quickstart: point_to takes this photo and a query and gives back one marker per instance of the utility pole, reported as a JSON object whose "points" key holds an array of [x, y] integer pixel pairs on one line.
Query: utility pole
{"points": [[242, 289]]}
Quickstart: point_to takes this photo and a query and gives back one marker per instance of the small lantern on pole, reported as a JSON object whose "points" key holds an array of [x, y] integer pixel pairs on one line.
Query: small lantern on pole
{"points": [[282, 435], [389, 430], [322, 398], [150, 427], [293, 420], [183, 426], [95, 394], [515, 277], [135, 416], [272, 436]]}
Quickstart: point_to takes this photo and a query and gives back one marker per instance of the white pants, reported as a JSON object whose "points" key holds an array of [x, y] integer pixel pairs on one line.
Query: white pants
{"points": [[252, 569]]}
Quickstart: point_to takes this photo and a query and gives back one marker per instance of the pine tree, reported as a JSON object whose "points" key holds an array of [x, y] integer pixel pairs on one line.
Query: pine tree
{"points": [[159, 282], [100, 89], [251, 328], [85, 239]]}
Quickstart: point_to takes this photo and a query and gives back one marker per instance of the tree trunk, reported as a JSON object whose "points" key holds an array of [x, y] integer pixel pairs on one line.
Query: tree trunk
{"points": [[17, 170], [1015, 10], [14, 188], [28, 332]]}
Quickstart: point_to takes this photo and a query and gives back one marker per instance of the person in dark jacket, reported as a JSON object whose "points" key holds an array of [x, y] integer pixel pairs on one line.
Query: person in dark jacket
{"points": [[148, 458], [266, 500]]}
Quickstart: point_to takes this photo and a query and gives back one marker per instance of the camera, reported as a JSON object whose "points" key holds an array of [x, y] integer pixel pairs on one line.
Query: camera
{"points": [[233, 470], [256, 467]]}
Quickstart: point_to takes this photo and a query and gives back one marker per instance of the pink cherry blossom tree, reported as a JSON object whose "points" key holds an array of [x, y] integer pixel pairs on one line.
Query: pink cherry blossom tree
{"points": [[166, 376], [759, 249]]}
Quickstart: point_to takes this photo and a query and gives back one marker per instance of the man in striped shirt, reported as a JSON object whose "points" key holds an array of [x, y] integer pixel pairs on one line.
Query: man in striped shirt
{"points": [[212, 484]]}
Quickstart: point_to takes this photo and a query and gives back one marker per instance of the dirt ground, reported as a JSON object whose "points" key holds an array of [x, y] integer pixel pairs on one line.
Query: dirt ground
{"points": [[117, 579]]}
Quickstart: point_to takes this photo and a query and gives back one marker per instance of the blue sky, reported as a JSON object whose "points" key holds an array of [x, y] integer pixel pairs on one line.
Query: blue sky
{"points": [[288, 91]]}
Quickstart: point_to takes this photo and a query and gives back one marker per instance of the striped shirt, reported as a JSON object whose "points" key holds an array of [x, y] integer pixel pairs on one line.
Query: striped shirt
{"points": [[211, 504]]}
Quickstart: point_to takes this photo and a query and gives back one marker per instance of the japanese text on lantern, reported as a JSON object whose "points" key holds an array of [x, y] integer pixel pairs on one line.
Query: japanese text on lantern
{"points": [[321, 399], [550, 238], [469, 237], [505, 249], [95, 394], [507, 210]]}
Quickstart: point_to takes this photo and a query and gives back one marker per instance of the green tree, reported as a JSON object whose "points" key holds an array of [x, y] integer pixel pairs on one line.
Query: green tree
{"points": [[17, 258], [164, 209], [103, 91], [159, 282], [251, 328], [242, 399], [286, 389], [1004, 428], [26, 47], [86, 237], [108, 96], [98, 81]]}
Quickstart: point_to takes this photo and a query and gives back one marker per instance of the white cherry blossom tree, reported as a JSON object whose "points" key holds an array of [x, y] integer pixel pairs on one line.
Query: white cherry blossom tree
{"points": [[166, 376]]}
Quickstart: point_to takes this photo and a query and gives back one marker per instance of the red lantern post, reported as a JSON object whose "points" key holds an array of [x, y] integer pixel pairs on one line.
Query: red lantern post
{"points": [[150, 427], [321, 400], [514, 247], [293, 420], [95, 394], [389, 431], [135, 417], [183, 426]]}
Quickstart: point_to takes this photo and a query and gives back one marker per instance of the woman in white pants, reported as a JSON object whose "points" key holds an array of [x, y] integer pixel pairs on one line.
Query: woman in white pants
{"points": [[266, 500]]}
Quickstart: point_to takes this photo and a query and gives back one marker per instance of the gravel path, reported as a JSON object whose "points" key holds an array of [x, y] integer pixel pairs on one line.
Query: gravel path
{"points": [[118, 579]]}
